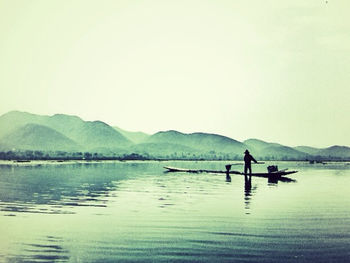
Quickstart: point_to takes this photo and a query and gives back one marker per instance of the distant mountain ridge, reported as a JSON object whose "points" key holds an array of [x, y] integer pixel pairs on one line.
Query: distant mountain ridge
{"points": [[307, 149], [135, 137], [38, 137], [200, 141], [88, 135], [266, 150], [60, 132]]}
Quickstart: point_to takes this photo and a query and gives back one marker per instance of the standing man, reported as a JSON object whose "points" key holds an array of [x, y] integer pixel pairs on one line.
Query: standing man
{"points": [[248, 162]]}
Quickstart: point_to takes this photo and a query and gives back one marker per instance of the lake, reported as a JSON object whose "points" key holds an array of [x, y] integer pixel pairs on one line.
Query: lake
{"points": [[134, 212]]}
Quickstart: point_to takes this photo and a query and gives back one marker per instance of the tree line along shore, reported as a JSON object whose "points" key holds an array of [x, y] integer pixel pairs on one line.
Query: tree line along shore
{"points": [[29, 155]]}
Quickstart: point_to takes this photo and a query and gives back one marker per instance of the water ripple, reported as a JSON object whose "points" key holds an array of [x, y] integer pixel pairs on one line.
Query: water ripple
{"points": [[46, 252]]}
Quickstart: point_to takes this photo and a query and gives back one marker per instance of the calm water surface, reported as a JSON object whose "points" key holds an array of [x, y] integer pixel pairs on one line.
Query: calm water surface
{"points": [[134, 212]]}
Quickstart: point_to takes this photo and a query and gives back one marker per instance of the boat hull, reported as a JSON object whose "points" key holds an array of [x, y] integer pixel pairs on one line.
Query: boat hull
{"points": [[267, 175]]}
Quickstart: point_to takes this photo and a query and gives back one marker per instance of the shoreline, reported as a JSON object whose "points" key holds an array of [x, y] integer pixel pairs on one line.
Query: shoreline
{"points": [[65, 162]]}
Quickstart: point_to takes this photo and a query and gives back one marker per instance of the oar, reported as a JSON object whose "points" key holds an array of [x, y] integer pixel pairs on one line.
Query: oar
{"points": [[243, 163], [228, 166]]}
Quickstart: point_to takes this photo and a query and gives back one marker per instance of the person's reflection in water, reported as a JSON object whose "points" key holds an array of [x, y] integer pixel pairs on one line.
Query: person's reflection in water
{"points": [[247, 191], [228, 177], [247, 187], [247, 183]]}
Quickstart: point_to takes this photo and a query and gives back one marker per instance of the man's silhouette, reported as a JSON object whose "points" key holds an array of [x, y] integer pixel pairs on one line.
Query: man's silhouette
{"points": [[248, 162]]}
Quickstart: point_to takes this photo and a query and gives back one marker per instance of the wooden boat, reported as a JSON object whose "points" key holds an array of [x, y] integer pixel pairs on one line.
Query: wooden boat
{"points": [[275, 174]]}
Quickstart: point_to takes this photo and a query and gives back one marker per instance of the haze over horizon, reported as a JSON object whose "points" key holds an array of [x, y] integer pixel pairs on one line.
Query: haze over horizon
{"points": [[271, 70]]}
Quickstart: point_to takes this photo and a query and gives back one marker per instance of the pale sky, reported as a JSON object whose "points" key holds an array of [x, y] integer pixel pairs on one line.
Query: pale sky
{"points": [[274, 70]]}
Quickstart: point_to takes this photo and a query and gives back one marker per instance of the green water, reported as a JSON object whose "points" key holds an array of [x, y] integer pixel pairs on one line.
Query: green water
{"points": [[134, 212]]}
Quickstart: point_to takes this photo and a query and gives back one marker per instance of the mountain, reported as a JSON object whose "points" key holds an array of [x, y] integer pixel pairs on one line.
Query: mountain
{"points": [[204, 142], [268, 150], [37, 137], [335, 151], [135, 137], [167, 150], [258, 145], [282, 152], [90, 135], [307, 149], [88, 139], [15, 119]]}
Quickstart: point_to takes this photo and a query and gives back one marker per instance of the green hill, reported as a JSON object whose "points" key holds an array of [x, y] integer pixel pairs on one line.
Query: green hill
{"points": [[267, 150], [89, 135], [201, 142], [37, 137], [166, 150], [335, 151], [258, 145], [135, 137], [14, 119], [60, 132], [307, 149]]}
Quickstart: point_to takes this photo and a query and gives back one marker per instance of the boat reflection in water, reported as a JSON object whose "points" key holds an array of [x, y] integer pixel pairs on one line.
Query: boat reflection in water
{"points": [[249, 190]]}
